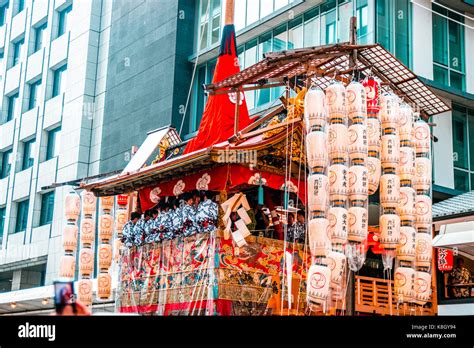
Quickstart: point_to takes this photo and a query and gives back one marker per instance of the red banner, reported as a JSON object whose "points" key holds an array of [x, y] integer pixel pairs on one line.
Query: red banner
{"points": [[445, 260], [217, 179]]}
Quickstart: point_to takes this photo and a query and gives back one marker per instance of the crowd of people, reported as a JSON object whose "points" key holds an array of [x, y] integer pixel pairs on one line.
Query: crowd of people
{"points": [[194, 212]]}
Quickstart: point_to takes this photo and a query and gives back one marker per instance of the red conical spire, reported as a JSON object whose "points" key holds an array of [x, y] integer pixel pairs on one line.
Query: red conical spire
{"points": [[218, 118]]}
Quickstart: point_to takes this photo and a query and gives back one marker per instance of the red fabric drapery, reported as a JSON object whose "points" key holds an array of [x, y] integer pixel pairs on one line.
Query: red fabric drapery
{"points": [[218, 118], [217, 179]]}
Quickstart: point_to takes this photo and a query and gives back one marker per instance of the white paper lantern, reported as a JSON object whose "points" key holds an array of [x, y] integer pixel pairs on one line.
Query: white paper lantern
{"points": [[67, 266], [374, 171], [337, 264], [406, 208], [389, 191], [86, 262], [423, 207], [319, 242], [335, 101], [317, 284], [318, 186], [314, 109], [338, 183], [72, 206], [70, 233], [337, 141], [407, 164], [422, 287], [404, 278], [104, 286], [422, 178], [358, 224], [389, 231], [106, 227], [87, 231], [406, 122], [422, 137], [389, 111], [356, 103], [357, 142], [107, 203], [358, 183], [406, 250], [84, 290], [424, 249], [105, 256], [121, 216], [338, 224], [390, 154], [373, 134], [89, 203], [317, 150]]}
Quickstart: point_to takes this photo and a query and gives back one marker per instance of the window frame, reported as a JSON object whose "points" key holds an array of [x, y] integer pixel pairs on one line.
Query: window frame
{"points": [[63, 21], [38, 45], [17, 48], [22, 224], [47, 214], [28, 162], [12, 100], [4, 173], [58, 76], [33, 89], [51, 146], [469, 171]]}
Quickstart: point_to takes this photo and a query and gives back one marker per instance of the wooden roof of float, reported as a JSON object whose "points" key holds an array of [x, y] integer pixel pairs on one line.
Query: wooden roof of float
{"points": [[324, 63]]}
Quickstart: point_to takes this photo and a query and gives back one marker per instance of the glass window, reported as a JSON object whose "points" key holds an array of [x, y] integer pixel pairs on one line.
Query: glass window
{"points": [[266, 8], [39, 37], [250, 59], [461, 180], [54, 142], [28, 154], [471, 138], [17, 51], [252, 11], [362, 14], [311, 28], [3, 13], [200, 97], [7, 161], [62, 20], [463, 147], [3, 213], [22, 216], [34, 87], [280, 4], [330, 27], [11, 106], [239, 14], [295, 33], [58, 76], [21, 5], [47, 208]]}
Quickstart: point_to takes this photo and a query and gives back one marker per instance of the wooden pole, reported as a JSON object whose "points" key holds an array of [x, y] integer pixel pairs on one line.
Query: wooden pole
{"points": [[229, 12]]}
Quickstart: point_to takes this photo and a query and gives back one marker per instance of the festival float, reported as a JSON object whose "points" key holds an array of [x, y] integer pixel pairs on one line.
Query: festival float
{"points": [[349, 144]]}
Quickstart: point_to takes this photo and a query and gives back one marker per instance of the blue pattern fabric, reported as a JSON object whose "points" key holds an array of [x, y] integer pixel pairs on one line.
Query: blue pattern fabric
{"points": [[188, 220], [127, 234], [206, 216]]}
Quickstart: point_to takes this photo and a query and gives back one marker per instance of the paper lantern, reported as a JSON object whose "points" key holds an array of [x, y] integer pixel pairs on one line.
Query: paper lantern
{"points": [[358, 224], [89, 202], [407, 164], [372, 96], [337, 141], [104, 286], [317, 284], [87, 231], [338, 185], [406, 208], [358, 183], [122, 200], [86, 262], [423, 207], [117, 246], [105, 256], [422, 178], [406, 122], [357, 146], [422, 137], [107, 203], [404, 278], [390, 153], [337, 264], [84, 291], [389, 231], [338, 225], [445, 260], [314, 109], [373, 134], [389, 111], [106, 227], [374, 171], [424, 252], [422, 287], [335, 101], [319, 242], [356, 103], [121, 216], [389, 191], [406, 247], [70, 232], [317, 150], [318, 192], [67, 266], [72, 206]]}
